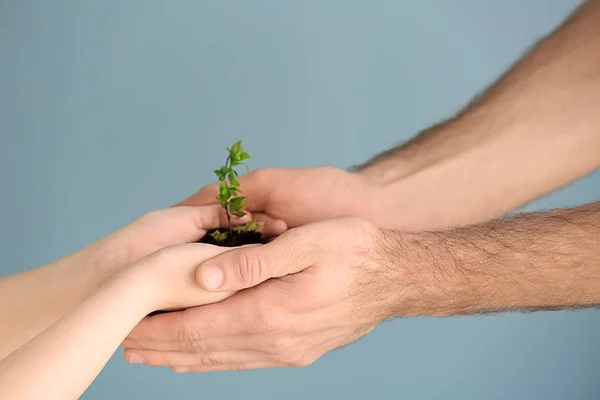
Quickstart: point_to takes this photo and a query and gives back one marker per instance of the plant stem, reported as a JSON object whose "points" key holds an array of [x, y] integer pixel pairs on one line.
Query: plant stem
{"points": [[228, 221], [227, 204]]}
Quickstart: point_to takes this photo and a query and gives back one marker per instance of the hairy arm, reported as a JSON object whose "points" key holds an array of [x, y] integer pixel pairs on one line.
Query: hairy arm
{"points": [[538, 261], [534, 130]]}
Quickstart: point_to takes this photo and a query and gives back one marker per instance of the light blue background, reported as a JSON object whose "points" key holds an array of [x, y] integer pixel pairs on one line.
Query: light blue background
{"points": [[109, 109]]}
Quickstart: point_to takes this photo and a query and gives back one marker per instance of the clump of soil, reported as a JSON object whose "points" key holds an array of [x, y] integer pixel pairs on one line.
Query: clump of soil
{"points": [[235, 239]]}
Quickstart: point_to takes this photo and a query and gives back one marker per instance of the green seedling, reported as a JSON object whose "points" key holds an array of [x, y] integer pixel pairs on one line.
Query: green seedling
{"points": [[229, 191]]}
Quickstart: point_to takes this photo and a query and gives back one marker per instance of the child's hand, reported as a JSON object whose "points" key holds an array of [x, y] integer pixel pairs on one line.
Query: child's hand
{"points": [[167, 278], [168, 227]]}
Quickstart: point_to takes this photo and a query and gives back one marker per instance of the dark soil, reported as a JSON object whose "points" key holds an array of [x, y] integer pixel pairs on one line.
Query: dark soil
{"points": [[235, 240]]}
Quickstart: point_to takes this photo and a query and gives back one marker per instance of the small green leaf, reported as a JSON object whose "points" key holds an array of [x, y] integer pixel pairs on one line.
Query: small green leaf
{"points": [[224, 191], [244, 156], [219, 236], [250, 226], [232, 180], [236, 148], [222, 200], [222, 172], [239, 214], [237, 204]]}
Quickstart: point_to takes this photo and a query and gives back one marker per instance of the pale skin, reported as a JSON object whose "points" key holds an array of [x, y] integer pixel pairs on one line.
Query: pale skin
{"points": [[391, 254], [62, 361], [98, 295]]}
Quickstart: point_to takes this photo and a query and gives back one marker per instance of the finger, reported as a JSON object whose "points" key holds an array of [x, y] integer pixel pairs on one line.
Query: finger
{"points": [[213, 344], [232, 367], [229, 317], [256, 186], [270, 227], [161, 328], [180, 359], [185, 223], [212, 217], [246, 267]]}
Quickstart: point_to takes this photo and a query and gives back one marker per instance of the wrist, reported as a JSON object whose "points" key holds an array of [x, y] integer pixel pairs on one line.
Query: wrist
{"points": [[142, 283], [374, 202], [425, 282]]}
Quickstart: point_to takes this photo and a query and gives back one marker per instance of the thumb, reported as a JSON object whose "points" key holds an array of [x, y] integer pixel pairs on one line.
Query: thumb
{"points": [[249, 266], [256, 186]]}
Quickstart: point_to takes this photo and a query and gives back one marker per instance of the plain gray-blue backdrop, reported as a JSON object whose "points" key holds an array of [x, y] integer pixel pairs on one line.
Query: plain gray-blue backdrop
{"points": [[109, 109]]}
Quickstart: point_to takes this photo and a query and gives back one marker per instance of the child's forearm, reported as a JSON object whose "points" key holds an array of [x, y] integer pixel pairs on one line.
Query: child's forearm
{"points": [[62, 361], [35, 299]]}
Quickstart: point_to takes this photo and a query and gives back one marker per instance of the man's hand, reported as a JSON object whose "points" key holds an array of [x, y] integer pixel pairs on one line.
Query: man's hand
{"points": [[335, 280], [520, 139], [328, 288], [300, 196]]}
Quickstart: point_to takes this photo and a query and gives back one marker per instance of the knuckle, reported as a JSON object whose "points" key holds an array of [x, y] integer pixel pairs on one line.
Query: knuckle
{"points": [[296, 357], [299, 362], [240, 367], [187, 334], [304, 361], [250, 269], [211, 360], [190, 339], [193, 347], [292, 359]]}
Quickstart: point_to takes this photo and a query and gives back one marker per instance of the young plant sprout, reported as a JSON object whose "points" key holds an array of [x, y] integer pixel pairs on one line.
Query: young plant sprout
{"points": [[232, 202]]}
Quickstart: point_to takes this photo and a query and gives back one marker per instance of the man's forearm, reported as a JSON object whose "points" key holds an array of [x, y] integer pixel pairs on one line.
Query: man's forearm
{"points": [[551, 89], [538, 261]]}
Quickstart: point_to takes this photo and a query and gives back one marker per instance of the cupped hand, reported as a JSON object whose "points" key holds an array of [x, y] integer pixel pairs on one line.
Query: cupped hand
{"points": [[169, 227], [303, 195], [313, 289]]}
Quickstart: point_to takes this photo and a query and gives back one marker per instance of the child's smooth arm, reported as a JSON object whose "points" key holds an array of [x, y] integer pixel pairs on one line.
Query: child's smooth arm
{"points": [[37, 298], [62, 361], [34, 299]]}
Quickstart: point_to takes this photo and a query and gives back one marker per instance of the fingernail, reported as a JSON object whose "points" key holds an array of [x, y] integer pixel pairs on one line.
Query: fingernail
{"points": [[180, 370], [212, 276], [136, 359]]}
